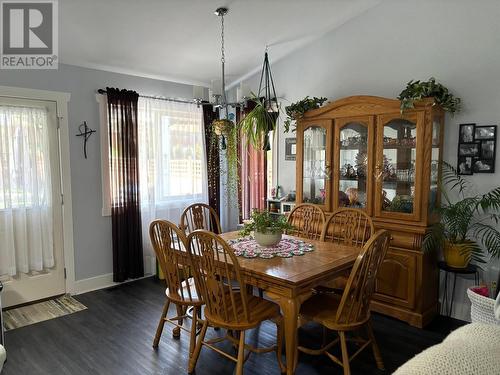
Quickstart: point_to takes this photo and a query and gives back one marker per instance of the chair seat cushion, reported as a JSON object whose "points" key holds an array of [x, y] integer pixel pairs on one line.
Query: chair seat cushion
{"points": [[321, 308], [188, 286], [259, 310]]}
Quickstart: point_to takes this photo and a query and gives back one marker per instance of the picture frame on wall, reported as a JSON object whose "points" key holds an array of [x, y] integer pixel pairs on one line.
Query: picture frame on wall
{"points": [[290, 149], [469, 149], [487, 132], [465, 164], [483, 165], [467, 133]]}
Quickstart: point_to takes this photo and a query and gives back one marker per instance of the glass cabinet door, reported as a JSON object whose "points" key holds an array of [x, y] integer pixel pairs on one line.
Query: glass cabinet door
{"points": [[352, 162], [435, 173], [315, 144], [398, 169]]}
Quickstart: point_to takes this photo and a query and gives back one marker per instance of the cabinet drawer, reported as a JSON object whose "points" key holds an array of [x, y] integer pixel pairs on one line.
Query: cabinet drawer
{"points": [[396, 279]]}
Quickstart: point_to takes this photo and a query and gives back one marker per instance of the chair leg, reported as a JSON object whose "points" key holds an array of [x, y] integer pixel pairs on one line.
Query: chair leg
{"points": [[345, 353], [375, 348], [279, 345], [194, 327], [241, 354], [197, 349], [176, 332], [161, 323]]}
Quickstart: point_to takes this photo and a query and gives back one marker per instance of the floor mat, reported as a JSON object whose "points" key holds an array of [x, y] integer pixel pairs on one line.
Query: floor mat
{"points": [[42, 311]]}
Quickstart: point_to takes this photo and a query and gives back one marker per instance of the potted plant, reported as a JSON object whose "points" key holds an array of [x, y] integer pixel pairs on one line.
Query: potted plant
{"points": [[466, 225], [257, 124], [225, 132], [295, 111], [267, 228], [417, 90]]}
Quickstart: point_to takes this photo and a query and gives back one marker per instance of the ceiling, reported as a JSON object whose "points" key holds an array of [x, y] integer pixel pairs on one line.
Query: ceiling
{"points": [[179, 40]]}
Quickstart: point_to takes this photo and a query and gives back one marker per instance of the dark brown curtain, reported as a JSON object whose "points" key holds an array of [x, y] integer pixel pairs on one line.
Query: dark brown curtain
{"points": [[124, 173], [213, 165]]}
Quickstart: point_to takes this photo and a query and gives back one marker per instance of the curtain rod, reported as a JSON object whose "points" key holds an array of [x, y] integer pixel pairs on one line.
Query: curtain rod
{"points": [[196, 101]]}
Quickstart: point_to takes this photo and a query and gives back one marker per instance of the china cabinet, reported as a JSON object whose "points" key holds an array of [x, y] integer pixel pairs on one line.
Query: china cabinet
{"points": [[362, 152]]}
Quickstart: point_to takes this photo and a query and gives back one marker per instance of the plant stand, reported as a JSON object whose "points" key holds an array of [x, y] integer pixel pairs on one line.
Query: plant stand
{"points": [[471, 269]]}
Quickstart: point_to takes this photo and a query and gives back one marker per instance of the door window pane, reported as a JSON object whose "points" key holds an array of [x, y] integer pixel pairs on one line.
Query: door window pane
{"points": [[315, 173], [353, 165], [398, 166]]}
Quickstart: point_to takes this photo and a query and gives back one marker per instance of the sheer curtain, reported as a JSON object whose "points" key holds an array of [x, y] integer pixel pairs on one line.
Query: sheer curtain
{"points": [[172, 160], [26, 223]]}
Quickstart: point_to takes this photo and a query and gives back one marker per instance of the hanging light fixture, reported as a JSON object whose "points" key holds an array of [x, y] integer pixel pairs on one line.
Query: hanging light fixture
{"points": [[222, 127]]}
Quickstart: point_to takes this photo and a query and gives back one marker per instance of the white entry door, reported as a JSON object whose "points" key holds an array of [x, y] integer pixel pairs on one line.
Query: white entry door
{"points": [[31, 239]]}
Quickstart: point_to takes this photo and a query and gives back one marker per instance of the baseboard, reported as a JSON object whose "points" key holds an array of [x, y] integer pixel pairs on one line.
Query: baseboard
{"points": [[99, 282]]}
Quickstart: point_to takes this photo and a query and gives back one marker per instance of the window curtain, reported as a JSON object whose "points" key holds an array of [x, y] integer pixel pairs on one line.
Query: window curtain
{"points": [[26, 222], [124, 175], [253, 177], [212, 159], [172, 167]]}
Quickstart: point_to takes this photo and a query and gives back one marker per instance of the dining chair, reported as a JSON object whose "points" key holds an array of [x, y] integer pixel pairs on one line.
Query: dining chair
{"points": [[200, 216], [350, 311], [236, 311], [168, 242], [308, 220], [346, 226]]}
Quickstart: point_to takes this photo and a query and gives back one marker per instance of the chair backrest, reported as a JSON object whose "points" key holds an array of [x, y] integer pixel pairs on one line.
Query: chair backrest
{"points": [[308, 221], [354, 306], [200, 216], [348, 226], [214, 267], [168, 242]]}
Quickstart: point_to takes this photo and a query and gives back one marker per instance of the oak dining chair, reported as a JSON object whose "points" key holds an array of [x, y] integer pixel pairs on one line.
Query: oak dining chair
{"points": [[351, 311], [308, 220], [168, 242], [200, 216], [346, 226], [236, 311]]}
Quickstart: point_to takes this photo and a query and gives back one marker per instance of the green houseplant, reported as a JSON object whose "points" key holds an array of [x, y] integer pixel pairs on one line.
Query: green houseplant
{"points": [[295, 111], [468, 224], [225, 133], [257, 124], [417, 90], [267, 228]]}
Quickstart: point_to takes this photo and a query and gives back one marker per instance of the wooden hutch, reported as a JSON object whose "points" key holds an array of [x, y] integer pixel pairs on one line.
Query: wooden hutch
{"points": [[361, 152]]}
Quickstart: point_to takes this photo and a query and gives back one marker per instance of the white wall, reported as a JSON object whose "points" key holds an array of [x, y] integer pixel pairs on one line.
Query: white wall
{"points": [[458, 42], [92, 231]]}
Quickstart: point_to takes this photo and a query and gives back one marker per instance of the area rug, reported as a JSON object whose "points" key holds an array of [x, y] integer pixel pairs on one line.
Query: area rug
{"points": [[42, 311]]}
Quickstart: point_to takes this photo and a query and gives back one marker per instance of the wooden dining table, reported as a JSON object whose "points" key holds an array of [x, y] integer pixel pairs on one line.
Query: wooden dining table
{"points": [[289, 281]]}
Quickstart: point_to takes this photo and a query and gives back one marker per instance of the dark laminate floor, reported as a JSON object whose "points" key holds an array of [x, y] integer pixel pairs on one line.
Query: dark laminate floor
{"points": [[114, 336]]}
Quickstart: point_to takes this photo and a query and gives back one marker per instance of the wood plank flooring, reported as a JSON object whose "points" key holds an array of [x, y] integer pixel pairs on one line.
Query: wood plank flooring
{"points": [[114, 336]]}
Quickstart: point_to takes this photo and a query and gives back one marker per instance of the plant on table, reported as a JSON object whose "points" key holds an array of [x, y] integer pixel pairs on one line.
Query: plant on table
{"points": [[267, 227], [468, 225]]}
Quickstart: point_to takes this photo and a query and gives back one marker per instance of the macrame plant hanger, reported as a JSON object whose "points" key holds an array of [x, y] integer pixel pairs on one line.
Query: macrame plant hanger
{"points": [[268, 98]]}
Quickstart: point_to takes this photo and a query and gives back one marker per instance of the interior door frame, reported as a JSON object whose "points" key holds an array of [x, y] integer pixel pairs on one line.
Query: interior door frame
{"points": [[61, 99]]}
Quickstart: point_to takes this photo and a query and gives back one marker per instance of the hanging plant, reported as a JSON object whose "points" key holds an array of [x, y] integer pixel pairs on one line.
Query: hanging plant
{"points": [[295, 111], [225, 134], [261, 120], [417, 90], [257, 124]]}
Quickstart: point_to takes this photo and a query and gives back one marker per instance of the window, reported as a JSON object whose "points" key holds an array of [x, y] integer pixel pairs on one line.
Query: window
{"points": [[172, 163]]}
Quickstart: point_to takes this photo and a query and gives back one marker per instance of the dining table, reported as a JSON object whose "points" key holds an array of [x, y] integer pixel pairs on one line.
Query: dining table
{"points": [[290, 281]]}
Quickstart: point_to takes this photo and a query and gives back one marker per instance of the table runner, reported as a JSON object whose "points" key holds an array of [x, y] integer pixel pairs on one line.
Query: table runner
{"points": [[288, 247]]}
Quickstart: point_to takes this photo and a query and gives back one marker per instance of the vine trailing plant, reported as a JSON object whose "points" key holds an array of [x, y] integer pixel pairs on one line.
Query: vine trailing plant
{"points": [[295, 111], [225, 137], [264, 222], [468, 222], [417, 90]]}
